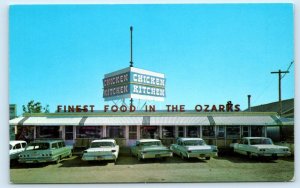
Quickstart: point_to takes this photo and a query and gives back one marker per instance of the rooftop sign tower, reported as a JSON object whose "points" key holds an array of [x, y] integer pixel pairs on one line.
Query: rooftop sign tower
{"points": [[134, 83]]}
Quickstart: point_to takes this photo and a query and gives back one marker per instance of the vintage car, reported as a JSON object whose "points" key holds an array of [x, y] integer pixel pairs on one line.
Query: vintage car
{"points": [[41, 151], [15, 148], [193, 148], [260, 147], [150, 148], [105, 149]]}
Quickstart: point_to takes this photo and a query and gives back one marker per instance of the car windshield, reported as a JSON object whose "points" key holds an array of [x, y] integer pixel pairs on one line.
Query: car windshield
{"points": [[155, 143], [38, 146], [102, 144], [10, 146], [194, 143], [260, 141]]}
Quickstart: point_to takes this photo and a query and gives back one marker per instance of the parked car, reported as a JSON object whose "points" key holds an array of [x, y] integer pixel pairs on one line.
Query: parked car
{"points": [[40, 151], [194, 148], [260, 147], [150, 148], [15, 148], [105, 149]]}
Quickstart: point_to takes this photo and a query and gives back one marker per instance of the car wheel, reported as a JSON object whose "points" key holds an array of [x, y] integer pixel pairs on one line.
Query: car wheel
{"points": [[182, 156], [58, 160], [249, 155], [207, 158]]}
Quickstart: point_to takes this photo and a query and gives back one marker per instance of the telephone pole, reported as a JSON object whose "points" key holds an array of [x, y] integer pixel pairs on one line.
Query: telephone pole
{"points": [[279, 72]]}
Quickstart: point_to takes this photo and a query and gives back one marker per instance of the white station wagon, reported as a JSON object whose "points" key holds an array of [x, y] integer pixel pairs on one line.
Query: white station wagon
{"points": [[193, 148], [15, 148], [105, 149], [260, 147]]}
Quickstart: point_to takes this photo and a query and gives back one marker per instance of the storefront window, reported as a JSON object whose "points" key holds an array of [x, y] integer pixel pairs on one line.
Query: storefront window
{"points": [[88, 132], [193, 131], [69, 132], [208, 131], [150, 132], [257, 131], [168, 131], [221, 131], [245, 131], [115, 131], [233, 131], [48, 132], [25, 133], [132, 132], [180, 131]]}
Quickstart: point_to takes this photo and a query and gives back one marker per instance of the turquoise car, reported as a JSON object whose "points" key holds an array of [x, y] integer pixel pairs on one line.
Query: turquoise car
{"points": [[43, 151], [150, 148]]}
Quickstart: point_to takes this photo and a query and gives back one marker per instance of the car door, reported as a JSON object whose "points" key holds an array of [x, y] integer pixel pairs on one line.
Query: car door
{"points": [[244, 146]]}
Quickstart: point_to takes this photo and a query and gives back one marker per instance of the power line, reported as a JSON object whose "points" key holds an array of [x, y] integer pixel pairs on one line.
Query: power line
{"points": [[287, 69]]}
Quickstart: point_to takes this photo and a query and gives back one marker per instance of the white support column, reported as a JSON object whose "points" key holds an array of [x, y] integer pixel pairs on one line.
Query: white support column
{"points": [[241, 132], [104, 131], [127, 133], [225, 135], [176, 131], [34, 132], [160, 132], [200, 131], [63, 132], [249, 133], [184, 131], [138, 132]]}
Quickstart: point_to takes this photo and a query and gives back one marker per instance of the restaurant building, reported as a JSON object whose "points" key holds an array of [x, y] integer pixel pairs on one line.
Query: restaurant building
{"points": [[218, 128]]}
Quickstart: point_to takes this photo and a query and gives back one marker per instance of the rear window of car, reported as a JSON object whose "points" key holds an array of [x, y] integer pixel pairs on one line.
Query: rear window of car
{"points": [[155, 143], [194, 143], [38, 146], [102, 144], [260, 141]]}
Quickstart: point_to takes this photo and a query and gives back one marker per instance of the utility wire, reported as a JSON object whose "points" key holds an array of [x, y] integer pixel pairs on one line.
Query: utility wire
{"points": [[287, 69]]}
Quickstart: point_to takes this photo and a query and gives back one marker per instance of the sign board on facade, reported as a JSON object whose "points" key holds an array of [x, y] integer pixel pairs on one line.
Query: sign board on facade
{"points": [[134, 83]]}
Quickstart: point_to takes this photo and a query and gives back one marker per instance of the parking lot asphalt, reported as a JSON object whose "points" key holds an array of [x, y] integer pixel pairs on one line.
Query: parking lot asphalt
{"points": [[228, 168]]}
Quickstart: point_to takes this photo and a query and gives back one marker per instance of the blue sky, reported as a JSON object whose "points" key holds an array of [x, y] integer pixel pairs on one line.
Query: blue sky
{"points": [[209, 53]]}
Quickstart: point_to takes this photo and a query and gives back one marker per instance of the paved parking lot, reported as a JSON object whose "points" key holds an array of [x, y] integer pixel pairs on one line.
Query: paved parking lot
{"points": [[128, 169]]}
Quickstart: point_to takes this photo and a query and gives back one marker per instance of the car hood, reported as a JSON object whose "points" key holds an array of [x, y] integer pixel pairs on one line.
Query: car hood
{"points": [[205, 147], [270, 146]]}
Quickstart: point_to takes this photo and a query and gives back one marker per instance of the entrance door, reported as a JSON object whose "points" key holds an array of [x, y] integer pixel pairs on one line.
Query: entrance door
{"points": [[150, 132]]}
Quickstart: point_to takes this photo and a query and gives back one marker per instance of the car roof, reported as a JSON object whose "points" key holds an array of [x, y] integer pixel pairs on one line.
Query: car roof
{"points": [[148, 140], [104, 140], [255, 137], [184, 139], [46, 141], [13, 142]]}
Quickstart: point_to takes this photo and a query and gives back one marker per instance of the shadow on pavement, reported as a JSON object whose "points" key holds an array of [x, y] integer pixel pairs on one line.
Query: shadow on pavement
{"points": [[238, 158]]}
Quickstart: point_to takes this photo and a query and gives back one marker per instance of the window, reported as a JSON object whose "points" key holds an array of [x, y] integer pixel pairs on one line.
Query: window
{"points": [[89, 132], [48, 132], [61, 144], [17, 146], [257, 131], [168, 131], [193, 131], [245, 141], [180, 131], [132, 132], [54, 146], [116, 131], [69, 132], [245, 131], [208, 131], [233, 131], [23, 145], [221, 132], [25, 133]]}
